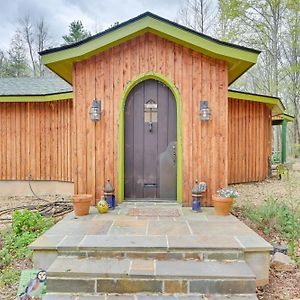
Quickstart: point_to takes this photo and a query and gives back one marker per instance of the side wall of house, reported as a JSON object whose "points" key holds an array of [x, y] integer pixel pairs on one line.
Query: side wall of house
{"points": [[105, 76], [36, 140], [249, 140]]}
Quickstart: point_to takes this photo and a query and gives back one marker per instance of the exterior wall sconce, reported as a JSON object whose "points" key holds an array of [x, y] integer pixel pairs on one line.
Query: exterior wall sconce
{"points": [[204, 111], [95, 110]]}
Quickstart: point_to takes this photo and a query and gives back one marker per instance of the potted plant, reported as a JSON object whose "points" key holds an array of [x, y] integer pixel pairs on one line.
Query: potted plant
{"points": [[223, 201], [81, 204]]}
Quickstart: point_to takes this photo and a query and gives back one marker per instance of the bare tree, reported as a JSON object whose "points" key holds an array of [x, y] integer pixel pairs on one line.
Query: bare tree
{"points": [[27, 31], [36, 37], [197, 14], [42, 42]]}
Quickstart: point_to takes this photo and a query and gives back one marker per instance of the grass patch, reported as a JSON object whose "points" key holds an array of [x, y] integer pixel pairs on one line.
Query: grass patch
{"points": [[26, 227]]}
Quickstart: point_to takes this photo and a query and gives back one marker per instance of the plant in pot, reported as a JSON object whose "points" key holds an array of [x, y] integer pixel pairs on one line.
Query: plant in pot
{"points": [[81, 204], [223, 201]]}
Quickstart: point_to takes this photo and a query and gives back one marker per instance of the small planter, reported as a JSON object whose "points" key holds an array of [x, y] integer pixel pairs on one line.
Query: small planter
{"points": [[222, 205], [82, 203]]}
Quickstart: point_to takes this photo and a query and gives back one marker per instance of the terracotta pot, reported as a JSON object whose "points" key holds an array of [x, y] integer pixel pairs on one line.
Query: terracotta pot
{"points": [[82, 203], [222, 205]]}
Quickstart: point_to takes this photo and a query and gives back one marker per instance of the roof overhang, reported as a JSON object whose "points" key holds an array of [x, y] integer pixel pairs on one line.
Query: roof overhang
{"points": [[36, 98], [278, 119], [60, 60], [273, 102]]}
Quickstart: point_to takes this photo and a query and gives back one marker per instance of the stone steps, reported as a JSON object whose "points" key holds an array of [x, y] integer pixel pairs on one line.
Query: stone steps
{"points": [[131, 276], [52, 296]]}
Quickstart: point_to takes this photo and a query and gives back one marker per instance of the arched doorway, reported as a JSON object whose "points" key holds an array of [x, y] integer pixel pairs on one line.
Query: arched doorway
{"points": [[150, 134]]}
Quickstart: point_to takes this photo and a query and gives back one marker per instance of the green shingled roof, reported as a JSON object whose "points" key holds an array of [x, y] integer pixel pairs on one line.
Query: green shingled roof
{"points": [[26, 86]]}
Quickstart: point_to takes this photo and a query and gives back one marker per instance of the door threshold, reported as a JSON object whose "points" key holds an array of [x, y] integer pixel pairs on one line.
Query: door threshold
{"points": [[150, 200]]}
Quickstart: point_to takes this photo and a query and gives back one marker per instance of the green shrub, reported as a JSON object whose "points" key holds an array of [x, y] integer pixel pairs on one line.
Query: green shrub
{"points": [[26, 227], [30, 222], [274, 216]]}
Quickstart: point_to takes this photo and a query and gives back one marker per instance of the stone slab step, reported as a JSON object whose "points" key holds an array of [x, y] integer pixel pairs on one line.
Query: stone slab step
{"points": [[197, 254], [134, 242], [90, 275], [147, 297]]}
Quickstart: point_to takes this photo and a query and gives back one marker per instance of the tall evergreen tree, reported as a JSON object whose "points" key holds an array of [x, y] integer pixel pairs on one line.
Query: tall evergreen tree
{"points": [[17, 65], [76, 33]]}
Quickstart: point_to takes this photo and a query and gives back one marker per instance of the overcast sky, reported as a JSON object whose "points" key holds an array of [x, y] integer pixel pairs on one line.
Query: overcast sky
{"points": [[96, 15]]}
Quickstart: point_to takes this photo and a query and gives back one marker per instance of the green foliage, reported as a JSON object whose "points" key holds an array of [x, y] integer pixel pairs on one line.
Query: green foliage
{"points": [[277, 217], [30, 222], [26, 227], [276, 157], [76, 33]]}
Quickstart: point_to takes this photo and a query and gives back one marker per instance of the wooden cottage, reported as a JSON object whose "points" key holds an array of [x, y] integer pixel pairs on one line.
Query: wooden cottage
{"points": [[167, 117]]}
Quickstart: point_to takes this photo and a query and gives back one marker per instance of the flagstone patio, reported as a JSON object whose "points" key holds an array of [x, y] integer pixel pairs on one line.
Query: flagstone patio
{"points": [[157, 241]]}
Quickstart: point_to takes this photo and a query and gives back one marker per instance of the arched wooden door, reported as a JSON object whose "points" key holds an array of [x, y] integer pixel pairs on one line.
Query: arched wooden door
{"points": [[150, 142]]}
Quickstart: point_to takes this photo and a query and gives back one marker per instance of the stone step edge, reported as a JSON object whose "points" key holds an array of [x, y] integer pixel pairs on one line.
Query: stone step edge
{"points": [[137, 248], [164, 287], [70, 276], [62, 296], [230, 255], [135, 268], [104, 296]]}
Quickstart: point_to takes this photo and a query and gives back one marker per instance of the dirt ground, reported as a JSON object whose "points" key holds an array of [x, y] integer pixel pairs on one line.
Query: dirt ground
{"points": [[283, 285]]}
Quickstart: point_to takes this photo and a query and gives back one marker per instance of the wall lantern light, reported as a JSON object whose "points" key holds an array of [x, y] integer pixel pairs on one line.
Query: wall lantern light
{"points": [[95, 110], [204, 111]]}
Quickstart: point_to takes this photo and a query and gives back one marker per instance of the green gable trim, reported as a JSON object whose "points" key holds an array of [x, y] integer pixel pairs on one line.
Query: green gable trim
{"points": [[37, 98], [60, 60], [273, 102]]}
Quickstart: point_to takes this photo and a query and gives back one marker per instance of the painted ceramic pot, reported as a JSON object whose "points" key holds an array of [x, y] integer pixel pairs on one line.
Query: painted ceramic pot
{"points": [[222, 205], [102, 206], [81, 204]]}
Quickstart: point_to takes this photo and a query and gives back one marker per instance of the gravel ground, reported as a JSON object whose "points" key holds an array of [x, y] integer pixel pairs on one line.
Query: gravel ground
{"points": [[257, 192]]}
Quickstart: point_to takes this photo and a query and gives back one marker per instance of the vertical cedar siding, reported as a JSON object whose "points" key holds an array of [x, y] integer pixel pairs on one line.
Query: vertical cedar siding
{"points": [[249, 140], [36, 140], [195, 75]]}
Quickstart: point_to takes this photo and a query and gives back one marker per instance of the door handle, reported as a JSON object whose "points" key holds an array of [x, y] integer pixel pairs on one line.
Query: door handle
{"points": [[174, 154]]}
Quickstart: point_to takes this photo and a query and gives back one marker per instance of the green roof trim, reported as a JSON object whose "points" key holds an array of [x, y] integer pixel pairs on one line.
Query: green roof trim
{"points": [[273, 102], [61, 59], [37, 98], [285, 117]]}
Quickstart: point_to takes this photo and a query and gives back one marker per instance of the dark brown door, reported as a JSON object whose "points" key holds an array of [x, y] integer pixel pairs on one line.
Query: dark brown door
{"points": [[150, 142]]}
